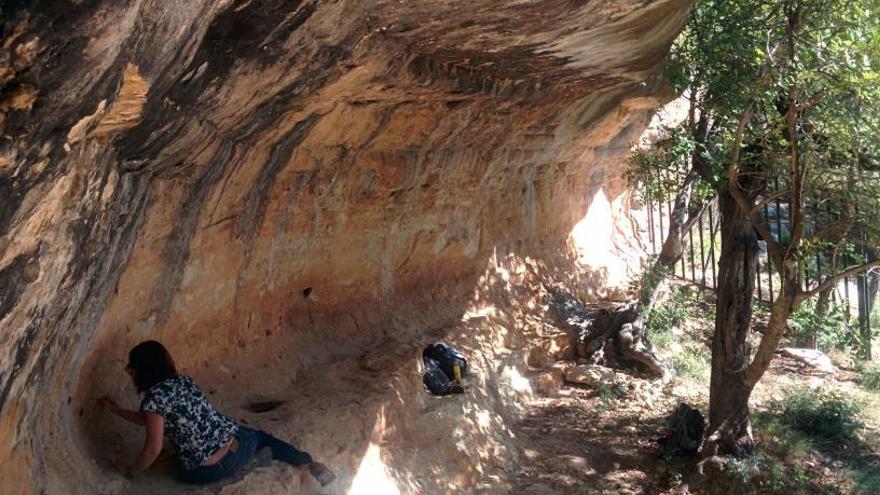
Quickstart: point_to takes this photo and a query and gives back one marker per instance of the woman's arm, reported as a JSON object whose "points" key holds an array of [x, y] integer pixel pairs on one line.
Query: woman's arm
{"points": [[155, 424], [135, 417]]}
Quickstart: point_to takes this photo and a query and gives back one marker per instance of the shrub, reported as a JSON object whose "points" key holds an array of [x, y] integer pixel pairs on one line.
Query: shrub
{"points": [[871, 377], [611, 392], [664, 317], [779, 438], [661, 320], [822, 413], [866, 479], [833, 331], [687, 358]]}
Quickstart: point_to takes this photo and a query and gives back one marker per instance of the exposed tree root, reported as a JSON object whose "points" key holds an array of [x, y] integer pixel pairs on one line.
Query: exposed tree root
{"points": [[607, 334]]}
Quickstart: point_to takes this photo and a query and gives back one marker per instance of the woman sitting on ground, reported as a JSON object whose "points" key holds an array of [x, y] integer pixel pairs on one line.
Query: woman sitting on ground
{"points": [[210, 447]]}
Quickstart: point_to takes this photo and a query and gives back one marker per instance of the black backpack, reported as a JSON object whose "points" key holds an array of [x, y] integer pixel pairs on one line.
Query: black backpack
{"points": [[439, 376], [446, 357], [685, 434], [437, 382]]}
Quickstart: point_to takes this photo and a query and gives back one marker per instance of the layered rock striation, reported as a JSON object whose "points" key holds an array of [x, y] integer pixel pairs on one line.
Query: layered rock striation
{"points": [[271, 187]]}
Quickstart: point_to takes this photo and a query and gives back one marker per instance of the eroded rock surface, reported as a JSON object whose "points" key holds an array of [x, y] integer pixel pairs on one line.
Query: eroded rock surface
{"points": [[274, 187]]}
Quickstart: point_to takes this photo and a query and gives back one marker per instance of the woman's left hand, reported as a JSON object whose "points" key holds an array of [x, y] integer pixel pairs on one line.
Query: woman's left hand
{"points": [[106, 402]]}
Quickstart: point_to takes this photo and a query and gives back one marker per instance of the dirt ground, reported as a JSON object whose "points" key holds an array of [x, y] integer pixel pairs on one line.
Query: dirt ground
{"points": [[581, 440], [582, 443]]}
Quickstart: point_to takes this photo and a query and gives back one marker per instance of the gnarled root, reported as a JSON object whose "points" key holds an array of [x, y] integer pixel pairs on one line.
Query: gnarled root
{"points": [[605, 333]]}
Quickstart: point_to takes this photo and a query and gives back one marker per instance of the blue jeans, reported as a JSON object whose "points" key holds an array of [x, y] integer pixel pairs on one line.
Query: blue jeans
{"points": [[249, 442]]}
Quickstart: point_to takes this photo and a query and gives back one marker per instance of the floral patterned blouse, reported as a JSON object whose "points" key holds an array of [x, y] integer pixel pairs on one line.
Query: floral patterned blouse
{"points": [[191, 422]]}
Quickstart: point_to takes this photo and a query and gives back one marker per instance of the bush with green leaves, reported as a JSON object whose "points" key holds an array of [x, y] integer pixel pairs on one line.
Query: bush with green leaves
{"points": [[689, 358], [662, 319], [832, 329], [665, 317], [823, 413], [871, 377], [780, 439]]}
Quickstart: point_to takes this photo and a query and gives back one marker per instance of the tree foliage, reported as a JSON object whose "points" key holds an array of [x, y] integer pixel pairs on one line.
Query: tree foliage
{"points": [[784, 119]]}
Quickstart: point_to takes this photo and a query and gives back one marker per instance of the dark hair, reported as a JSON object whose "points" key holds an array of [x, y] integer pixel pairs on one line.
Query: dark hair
{"points": [[150, 363]]}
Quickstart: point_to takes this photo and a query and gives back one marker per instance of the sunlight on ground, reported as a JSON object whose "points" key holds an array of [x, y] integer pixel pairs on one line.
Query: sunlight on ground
{"points": [[372, 477], [479, 312], [518, 383]]}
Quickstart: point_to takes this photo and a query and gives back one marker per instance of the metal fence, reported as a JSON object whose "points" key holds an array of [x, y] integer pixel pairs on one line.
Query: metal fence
{"points": [[702, 244]]}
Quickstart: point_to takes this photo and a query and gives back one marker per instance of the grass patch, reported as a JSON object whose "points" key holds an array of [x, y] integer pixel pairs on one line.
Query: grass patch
{"points": [[663, 319], [793, 452], [685, 302], [871, 377], [785, 455], [687, 356], [865, 478], [824, 414], [776, 436], [691, 361]]}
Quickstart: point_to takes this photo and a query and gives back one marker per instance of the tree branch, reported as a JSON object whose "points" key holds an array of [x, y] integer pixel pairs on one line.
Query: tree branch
{"points": [[770, 198], [694, 216], [771, 338], [673, 246], [833, 279], [736, 191], [825, 232], [795, 174]]}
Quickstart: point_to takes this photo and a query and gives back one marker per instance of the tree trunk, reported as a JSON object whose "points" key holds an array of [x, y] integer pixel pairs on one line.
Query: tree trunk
{"points": [[605, 334], [822, 304], [873, 287], [729, 427], [864, 316], [872, 284], [681, 219]]}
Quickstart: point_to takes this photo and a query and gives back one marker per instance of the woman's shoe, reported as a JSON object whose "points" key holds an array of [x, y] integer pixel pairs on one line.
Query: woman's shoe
{"points": [[322, 473]]}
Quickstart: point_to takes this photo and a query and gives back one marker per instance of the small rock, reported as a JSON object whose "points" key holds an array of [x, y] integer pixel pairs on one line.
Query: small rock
{"points": [[530, 454], [811, 357], [591, 375], [539, 357], [560, 347], [548, 381]]}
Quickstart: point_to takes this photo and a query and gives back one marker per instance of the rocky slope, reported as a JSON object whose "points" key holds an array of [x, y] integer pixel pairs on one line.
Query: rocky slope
{"points": [[273, 187]]}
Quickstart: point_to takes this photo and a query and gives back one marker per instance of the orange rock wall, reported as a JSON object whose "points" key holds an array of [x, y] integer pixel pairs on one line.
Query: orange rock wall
{"points": [[275, 185]]}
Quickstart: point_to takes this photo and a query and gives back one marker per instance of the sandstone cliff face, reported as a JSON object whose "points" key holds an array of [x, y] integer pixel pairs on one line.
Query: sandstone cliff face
{"points": [[272, 187]]}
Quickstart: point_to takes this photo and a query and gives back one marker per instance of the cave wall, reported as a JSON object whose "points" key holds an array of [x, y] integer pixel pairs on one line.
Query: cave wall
{"points": [[273, 184]]}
